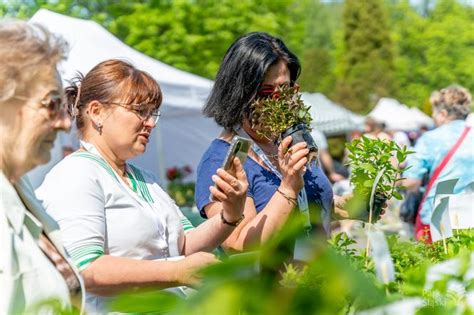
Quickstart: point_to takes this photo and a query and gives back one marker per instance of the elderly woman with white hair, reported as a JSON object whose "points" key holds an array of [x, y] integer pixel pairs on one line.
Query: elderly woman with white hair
{"points": [[443, 153], [35, 273]]}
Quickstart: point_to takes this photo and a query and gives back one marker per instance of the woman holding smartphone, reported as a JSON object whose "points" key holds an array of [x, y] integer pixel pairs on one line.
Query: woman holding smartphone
{"points": [[254, 66], [121, 229]]}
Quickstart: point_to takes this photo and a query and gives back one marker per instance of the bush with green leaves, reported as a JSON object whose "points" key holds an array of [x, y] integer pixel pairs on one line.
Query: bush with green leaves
{"points": [[412, 260], [376, 167], [284, 108], [369, 157]]}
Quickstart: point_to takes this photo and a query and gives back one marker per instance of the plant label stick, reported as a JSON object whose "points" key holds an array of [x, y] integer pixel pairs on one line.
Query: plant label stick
{"points": [[444, 239], [440, 218], [384, 267]]}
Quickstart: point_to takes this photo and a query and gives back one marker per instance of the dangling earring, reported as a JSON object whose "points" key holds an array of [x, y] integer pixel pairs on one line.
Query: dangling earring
{"points": [[99, 127]]}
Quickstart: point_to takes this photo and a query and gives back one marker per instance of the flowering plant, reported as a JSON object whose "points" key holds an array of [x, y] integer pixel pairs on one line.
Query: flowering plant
{"points": [[178, 173], [182, 193]]}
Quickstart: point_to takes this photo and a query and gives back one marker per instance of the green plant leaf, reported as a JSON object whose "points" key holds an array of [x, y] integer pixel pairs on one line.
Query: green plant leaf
{"points": [[397, 195]]}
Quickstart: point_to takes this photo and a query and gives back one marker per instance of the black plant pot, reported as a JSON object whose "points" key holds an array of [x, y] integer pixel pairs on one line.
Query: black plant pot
{"points": [[301, 133], [359, 206], [379, 202]]}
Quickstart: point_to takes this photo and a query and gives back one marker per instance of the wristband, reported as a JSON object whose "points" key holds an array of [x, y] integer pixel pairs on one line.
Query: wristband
{"points": [[235, 223]]}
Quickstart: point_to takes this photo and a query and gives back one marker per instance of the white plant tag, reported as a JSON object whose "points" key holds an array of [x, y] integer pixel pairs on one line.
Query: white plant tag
{"points": [[381, 256], [440, 225], [461, 211]]}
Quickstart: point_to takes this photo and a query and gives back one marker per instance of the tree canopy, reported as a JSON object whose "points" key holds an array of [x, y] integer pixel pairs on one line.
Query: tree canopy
{"points": [[353, 51]]}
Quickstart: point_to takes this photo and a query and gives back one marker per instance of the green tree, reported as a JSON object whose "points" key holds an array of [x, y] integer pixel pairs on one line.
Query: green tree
{"points": [[320, 23], [102, 11], [433, 51], [366, 66], [194, 35]]}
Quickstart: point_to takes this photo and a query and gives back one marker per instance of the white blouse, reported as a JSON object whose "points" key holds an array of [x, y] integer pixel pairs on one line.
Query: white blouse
{"points": [[27, 277], [101, 215]]}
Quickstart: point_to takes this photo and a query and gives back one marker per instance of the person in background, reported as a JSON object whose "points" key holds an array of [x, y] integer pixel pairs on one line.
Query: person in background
{"points": [[450, 107], [35, 273], [401, 138], [254, 66], [325, 157], [122, 230], [375, 129]]}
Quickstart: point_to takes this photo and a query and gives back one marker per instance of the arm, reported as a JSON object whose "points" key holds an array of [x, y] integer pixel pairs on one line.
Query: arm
{"points": [[412, 184], [340, 207], [231, 197], [340, 213], [109, 275], [418, 164], [258, 228], [328, 166]]}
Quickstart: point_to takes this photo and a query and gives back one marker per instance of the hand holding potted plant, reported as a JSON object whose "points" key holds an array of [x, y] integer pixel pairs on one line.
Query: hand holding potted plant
{"points": [[376, 166], [283, 114]]}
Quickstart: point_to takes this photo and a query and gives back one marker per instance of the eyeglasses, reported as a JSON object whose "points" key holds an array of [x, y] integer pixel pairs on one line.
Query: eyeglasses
{"points": [[143, 111], [54, 103], [268, 91]]}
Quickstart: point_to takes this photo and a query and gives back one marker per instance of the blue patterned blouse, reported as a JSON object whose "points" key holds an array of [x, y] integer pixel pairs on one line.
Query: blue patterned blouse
{"points": [[430, 150]]}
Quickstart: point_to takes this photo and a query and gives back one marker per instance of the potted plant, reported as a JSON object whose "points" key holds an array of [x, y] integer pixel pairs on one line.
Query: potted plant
{"points": [[376, 166], [283, 114]]}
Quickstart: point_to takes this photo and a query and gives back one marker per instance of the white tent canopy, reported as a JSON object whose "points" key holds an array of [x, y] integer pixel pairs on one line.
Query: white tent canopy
{"points": [[183, 133], [329, 117], [397, 116]]}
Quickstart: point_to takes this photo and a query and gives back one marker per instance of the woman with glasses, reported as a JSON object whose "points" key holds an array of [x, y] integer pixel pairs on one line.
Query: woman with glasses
{"points": [[36, 275], [121, 229], [253, 67]]}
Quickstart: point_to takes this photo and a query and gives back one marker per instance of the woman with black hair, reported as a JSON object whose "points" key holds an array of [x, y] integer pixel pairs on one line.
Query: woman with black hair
{"points": [[279, 177]]}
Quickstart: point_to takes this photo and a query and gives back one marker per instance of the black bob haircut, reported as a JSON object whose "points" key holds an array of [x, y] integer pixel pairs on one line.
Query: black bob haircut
{"points": [[241, 75]]}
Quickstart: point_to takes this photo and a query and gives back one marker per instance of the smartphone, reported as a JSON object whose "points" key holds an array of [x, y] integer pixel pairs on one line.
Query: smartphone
{"points": [[239, 147]]}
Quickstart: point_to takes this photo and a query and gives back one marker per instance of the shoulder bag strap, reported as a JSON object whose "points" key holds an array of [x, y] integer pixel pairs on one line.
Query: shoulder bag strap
{"points": [[443, 164]]}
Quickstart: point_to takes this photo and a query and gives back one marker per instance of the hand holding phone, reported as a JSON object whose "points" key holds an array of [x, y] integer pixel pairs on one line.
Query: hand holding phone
{"points": [[239, 148], [231, 191]]}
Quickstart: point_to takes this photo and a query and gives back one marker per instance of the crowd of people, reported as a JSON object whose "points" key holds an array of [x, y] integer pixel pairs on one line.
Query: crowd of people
{"points": [[98, 225]]}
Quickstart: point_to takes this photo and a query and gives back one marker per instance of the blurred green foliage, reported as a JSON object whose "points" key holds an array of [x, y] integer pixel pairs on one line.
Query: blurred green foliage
{"points": [[352, 51], [433, 51], [365, 70], [336, 281]]}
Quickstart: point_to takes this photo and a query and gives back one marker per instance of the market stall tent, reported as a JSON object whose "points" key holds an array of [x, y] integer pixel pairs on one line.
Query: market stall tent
{"points": [[397, 116], [330, 118], [183, 133]]}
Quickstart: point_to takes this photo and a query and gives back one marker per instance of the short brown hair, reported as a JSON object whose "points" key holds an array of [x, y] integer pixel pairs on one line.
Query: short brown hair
{"points": [[455, 99], [109, 80], [24, 51]]}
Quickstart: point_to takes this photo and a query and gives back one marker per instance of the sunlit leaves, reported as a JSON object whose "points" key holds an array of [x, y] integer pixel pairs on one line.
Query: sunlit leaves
{"points": [[367, 157]]}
